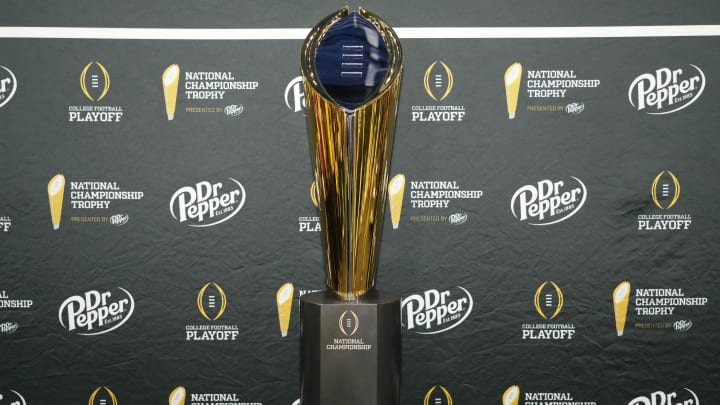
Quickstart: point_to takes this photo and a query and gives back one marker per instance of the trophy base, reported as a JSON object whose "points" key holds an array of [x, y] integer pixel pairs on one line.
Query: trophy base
{"points": [[349, 350]]}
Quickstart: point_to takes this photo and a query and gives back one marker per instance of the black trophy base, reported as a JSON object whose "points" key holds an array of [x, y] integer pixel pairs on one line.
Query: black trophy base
{"points": [[349, 350]]}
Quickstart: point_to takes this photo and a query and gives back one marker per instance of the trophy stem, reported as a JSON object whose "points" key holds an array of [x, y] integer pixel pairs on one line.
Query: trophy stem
{"points": [[350, 131]]}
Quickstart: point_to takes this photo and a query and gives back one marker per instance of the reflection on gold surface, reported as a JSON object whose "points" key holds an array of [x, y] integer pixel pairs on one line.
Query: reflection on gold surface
{"points": [[350, 152]]}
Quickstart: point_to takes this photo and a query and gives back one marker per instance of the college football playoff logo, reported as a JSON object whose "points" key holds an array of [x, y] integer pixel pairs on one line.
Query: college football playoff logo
{"points": [[95, 81], [547, 299], [211, 301], [665, 190], [438, 395], [102, 396], [349, 323], [438, 80]]}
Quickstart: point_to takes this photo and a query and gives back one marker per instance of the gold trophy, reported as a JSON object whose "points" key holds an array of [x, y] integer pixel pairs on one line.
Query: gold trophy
{"points": [[350, 126], [351, 64]]}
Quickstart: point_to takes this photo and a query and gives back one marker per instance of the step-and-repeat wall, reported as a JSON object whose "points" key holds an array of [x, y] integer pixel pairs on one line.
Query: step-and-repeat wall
{"points": [[566, 255]]}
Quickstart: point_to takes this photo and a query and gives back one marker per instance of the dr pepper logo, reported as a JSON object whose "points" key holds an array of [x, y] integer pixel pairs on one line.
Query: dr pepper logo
{"points": [[548, 202], [96, 312], [206, 204], [666, 90], [8, 85]]}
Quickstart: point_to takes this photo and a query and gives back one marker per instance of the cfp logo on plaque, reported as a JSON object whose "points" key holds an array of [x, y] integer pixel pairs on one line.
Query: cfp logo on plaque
{"points": [[547, 299], [511, 396], [666, 90], [102, 396], [295, 95], [95, 81], [438, 80], [665, 190], [12, 397], [211, 303], [438, 395], [177, 396], [667, 398], [8, 85], [348, 323]]}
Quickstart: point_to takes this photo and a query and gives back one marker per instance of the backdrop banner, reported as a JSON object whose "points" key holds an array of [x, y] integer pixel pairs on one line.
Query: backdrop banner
{"points": [[551, 223]]}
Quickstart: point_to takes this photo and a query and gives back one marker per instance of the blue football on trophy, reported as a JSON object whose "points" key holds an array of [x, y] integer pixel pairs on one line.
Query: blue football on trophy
{"points": [[352, 61]]}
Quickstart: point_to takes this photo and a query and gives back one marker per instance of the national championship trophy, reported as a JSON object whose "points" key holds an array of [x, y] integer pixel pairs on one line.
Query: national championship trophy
{"points": [[351, 65]]}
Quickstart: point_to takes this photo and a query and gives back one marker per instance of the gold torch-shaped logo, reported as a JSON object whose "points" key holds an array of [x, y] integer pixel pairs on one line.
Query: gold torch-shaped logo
{"points": [[351, 66], [396, 189], [284, 298], [170, 79], [511, 396], [56, 189], [621, 296], [177, 396], [513, 76]]}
